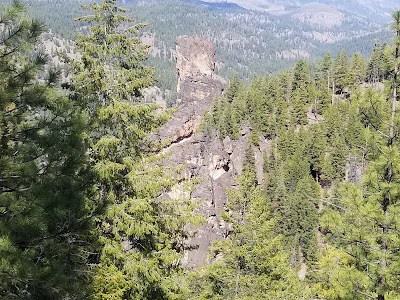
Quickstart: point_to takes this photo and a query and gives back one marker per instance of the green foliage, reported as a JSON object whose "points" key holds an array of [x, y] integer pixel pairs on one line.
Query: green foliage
{"points": [[294, 197], [323, 84], [83, 205], [357, 72], [143, 238], [252, 263], [337, 278], [364, 225], [43, 223], [111, 66], [233, 88], [378, 65], [301, 92], [303, 219], [140, 235], [341, 71]]}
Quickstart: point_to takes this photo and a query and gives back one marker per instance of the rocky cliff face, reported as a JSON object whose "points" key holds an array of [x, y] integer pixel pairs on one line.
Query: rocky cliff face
{"points": [[197, 87], [213, 162], [194, 57]]}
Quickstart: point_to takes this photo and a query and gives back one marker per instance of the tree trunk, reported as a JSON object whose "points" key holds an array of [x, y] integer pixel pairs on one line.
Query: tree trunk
{"points": [[237, 283]]}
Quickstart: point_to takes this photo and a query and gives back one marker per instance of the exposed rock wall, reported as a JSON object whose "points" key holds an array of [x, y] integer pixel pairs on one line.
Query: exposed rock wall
{"points": [[194, 57], [197, 87], [355, 169], [214, 163], [207, 159]]}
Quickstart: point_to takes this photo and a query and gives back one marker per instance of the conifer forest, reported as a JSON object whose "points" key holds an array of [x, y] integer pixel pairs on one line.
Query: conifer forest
{"points": [[91, 206]]}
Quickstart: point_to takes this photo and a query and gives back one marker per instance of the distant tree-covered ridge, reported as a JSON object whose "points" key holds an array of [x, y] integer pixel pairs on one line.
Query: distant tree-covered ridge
{"points": [[248, 43]]}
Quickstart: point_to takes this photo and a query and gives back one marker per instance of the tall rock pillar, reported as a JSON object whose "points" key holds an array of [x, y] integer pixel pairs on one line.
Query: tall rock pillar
{"points": [[202, 157]]}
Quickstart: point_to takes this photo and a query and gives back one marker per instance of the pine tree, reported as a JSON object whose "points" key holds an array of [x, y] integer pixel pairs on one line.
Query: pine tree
{"points": [[324, 83], [43, 219], [341, 72], [252, 263], [316, 142], [357, 72], [234, 86], [303, 220], [301, 88], [365, 228], [236, 115], [280, 103], [377, 68], [140, 235]]}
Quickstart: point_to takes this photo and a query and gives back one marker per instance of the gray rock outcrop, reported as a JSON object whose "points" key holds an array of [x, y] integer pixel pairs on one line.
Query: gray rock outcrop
{"points": [[202, 157], [197, 87], [207, 159]]}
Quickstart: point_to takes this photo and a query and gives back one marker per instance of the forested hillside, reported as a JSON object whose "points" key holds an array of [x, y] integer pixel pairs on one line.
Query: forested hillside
{"points": [[373, 9], [248, 43], [329, 191], [83, 211]]}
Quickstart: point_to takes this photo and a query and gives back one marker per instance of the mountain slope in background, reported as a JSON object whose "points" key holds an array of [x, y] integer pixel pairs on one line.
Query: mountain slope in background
{"points": [[252, 37], [378, 10]]}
